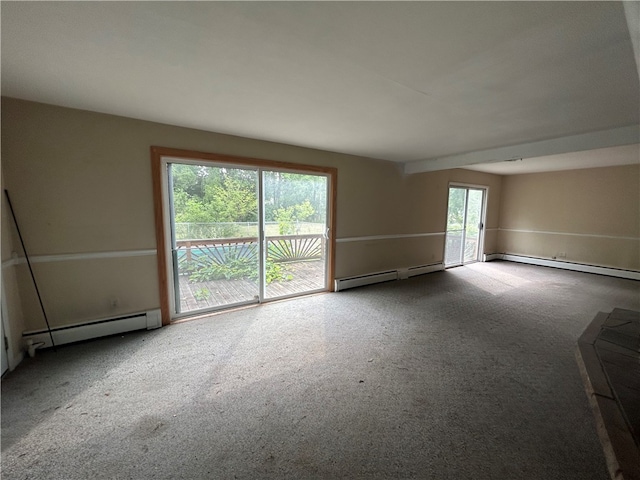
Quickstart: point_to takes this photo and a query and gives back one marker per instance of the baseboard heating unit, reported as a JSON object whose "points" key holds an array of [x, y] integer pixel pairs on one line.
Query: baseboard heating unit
{"points": [[94, 329], [564, 265], [405, 273], [378, 277], [359, 281]]}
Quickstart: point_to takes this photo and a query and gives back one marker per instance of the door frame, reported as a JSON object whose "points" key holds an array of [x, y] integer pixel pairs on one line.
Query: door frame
{"points": [[160, 156], [483, 217]]}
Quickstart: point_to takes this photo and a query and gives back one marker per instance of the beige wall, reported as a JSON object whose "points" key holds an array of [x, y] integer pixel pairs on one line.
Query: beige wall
{"points": [[420, 207], [81, 183], [11, 298], [598, 207]]}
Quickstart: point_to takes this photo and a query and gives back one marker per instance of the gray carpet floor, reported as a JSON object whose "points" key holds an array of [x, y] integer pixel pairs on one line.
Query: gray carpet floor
{"points": [[464, 374]]}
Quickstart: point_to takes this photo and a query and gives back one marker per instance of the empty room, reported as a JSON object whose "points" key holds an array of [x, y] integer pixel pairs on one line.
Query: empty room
{"points": [[320, 240]]}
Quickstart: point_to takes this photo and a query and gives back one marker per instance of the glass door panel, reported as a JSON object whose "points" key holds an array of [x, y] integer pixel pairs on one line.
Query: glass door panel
{"points": [[455, 226], [473, 225], [214, 228], [464, 225], [296, 232]]}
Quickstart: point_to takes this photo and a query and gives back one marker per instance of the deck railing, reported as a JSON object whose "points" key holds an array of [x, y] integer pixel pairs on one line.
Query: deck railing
{"points": [[454, 246], [193, 254], [294, 248], [184, 230]]}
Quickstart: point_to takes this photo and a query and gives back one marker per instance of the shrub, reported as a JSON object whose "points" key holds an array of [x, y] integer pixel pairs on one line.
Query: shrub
{"points": [[202, 294], [238, 267]]}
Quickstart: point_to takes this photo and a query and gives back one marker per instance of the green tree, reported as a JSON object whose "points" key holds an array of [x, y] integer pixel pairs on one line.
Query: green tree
{"points": [[455, 215], [212, 195], [287, 217], [231, 200]]}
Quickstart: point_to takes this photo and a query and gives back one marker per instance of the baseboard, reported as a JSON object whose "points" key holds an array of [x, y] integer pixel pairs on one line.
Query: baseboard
{"points": [[576, 267], [95, 329], [404, 273], [367, 279], [386, 276], [491, 256]]}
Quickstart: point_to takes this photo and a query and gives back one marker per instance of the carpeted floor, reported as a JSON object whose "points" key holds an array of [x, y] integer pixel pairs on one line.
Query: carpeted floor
{"points": [[463, 374]]}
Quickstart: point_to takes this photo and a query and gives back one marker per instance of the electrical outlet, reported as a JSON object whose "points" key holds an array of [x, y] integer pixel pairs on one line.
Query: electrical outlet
{"points": [[562, 255], [114, 302]]}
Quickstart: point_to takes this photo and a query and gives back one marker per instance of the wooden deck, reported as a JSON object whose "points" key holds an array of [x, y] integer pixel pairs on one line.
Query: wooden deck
{"points": [[307, 276]]}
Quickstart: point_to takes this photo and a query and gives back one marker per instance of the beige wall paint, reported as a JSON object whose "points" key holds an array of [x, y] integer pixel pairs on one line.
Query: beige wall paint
{"points": [[82, 184], [421, 209], [15, 317], [370, 256], [11, 298], [599, 206], [432, 189], [84, 289]]}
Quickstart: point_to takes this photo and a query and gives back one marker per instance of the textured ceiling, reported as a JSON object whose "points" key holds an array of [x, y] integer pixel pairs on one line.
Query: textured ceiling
{"points": [[398, 81]]}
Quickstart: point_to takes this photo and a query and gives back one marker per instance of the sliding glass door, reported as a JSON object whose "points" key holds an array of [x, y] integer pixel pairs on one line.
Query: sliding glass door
{"points": [[241, 235], [214, 236], [296, 232], [464, 225]]}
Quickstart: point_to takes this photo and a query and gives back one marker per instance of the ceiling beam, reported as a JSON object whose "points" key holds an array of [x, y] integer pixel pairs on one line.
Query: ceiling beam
{"points": [[574, 143]]}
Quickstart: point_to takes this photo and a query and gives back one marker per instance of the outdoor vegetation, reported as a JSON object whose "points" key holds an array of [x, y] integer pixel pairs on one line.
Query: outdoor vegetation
{"points": [[216, 202], [212, 203], [455, 244], [235, 267], [455, 216]]}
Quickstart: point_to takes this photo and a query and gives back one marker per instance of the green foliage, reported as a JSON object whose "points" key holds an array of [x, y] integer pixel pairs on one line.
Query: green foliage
{"points": [[455, 214], [232, 201], [214, 195], [276, 271], [202, 294], [283, 190], [236, 267], [456, 210], [287, 217], [209, 200]]}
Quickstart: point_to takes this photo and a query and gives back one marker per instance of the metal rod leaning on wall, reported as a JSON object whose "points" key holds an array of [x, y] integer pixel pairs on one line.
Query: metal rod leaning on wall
{"points": [[26, 255]]}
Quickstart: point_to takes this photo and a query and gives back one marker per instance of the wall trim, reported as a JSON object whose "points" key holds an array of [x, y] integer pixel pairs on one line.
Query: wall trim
{"points": [[65, 257], [388, 237], [594, 235], [385, 276], [97, 328], [576, 267]]}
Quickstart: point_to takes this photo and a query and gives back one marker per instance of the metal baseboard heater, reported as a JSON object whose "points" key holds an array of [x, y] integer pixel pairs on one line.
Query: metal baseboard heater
{"points": [[95, 329], [565, 265], [386, 276]]}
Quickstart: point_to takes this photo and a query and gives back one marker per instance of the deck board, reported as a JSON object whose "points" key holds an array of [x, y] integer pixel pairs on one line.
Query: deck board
{"points": [[307, 276]]}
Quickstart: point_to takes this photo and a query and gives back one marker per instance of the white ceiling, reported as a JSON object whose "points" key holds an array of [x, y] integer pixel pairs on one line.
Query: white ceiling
{"points": [[407, 82]]}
